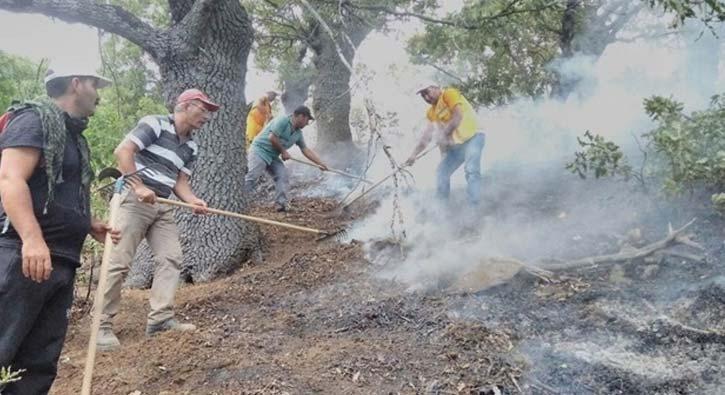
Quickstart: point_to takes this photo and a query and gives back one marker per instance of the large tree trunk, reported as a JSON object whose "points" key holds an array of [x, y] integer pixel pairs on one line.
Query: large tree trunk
{"points": [[331, 94], [587, 28], [296, 92], [212, 245], [297, 78], [206, 47], [563, 83]]}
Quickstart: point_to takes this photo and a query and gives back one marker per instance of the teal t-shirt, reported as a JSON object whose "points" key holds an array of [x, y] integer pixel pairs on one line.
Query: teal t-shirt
{"points": [[281, 126]]}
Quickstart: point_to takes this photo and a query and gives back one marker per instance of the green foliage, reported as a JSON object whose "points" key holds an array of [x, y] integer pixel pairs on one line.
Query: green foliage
{"points": [[681, 154], [718, 201], [660, 108], [599, 156], [8, 375], [20, 79], [286, 31], [709, 11], [690, 149], [135, 93], [498, 50], [503, 57]]}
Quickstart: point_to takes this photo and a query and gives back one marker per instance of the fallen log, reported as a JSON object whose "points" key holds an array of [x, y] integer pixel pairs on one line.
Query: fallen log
{"points": [[674, 237]]}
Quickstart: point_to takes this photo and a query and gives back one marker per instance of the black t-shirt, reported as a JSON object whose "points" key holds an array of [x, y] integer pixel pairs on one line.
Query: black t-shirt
{"points": [[67, 221]]}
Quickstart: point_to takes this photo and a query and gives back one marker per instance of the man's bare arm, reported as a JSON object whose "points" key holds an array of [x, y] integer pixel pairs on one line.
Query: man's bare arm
{"points": [[125, 153], [16, 167]]}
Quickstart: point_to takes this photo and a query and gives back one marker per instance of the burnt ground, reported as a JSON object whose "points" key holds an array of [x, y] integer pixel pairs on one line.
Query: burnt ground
{"points": [[316, 318]]}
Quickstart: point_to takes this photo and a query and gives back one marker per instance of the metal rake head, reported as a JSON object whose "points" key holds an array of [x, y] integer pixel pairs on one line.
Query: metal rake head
{"points": [[340, 234]]}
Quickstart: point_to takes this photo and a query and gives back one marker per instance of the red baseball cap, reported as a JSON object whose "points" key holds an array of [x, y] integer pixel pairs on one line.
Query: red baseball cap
{"points": [[195, 94]]}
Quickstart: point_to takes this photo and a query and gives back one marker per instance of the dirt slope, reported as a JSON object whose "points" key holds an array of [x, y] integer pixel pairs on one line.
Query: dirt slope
{"points": [[312, 318]]}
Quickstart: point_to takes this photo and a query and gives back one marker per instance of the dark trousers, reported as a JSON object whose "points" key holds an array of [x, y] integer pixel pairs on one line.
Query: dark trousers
{"points": [[33, 321]]}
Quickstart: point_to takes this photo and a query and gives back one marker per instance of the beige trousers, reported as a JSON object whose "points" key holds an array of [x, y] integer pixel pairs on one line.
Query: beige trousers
{"points": [[155, 222]]}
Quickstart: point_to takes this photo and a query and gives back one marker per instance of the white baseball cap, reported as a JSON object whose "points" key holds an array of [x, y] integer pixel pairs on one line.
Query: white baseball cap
{"points": [[425, 85], [54, 73]]}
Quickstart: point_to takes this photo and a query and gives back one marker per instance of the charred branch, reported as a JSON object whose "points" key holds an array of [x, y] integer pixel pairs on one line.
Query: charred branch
{"points": [[674, 237]]}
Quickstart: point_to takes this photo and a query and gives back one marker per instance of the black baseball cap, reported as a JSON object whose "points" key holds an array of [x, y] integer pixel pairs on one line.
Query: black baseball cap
{"points": [[303, 110]]}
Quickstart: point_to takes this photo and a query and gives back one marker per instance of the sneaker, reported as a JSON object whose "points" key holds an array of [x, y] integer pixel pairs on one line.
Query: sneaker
{"points": [[107, 340], [169, 325]]}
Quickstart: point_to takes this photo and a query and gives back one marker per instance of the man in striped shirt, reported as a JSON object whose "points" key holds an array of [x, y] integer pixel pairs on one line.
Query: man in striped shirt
{"points": [[164, 145]]}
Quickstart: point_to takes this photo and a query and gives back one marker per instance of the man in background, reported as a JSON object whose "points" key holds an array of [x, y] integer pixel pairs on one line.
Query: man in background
{"points": [[259, 116], [274, 141], [452, 122]]}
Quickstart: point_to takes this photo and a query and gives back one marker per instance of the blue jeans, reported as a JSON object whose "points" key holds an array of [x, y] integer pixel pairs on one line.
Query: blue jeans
{"points": [[467, 154]]}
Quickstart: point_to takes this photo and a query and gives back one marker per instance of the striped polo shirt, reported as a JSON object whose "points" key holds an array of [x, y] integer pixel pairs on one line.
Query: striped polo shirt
{"points": [[161, 150]]}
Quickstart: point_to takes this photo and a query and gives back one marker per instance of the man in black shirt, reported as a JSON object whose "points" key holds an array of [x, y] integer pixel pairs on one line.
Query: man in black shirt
{"points": [[45, 180]]}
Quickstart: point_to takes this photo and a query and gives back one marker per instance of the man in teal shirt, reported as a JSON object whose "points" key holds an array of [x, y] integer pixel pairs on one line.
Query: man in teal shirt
{"points": [[274, 141]]}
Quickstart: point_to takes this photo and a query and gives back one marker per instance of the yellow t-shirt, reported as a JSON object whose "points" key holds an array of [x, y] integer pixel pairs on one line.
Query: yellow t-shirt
{"points": [[442, 112], [258, 116]]}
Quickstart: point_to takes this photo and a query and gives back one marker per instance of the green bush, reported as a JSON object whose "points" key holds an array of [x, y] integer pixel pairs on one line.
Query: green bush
{"points": [[681, 154]]}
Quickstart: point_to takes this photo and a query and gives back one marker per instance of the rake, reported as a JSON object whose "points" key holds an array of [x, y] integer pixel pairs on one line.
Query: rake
{"points": [[340, 172], [338, 234]]}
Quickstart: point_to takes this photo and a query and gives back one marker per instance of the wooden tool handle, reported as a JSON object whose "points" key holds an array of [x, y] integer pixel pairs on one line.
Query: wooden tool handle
{"points": [[340, 172], [422, 154], [241, 216], [100, 296]]}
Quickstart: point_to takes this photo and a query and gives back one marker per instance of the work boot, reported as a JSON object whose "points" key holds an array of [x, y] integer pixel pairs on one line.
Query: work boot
{"points": [[107, 340], [169, 325]]}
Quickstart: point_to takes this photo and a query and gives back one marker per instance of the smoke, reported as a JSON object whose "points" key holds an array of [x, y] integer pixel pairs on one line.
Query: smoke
{"points": [[532, 210]]}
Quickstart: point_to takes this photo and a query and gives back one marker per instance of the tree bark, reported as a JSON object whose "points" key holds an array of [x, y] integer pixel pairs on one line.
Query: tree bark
{"points": [[296, 92], [331, 95], [564, 84], [587, 28], [297, 79], [206, 48], [212, 245]]}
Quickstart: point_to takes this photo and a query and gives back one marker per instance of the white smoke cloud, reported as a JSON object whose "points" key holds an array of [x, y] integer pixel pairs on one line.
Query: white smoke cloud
{"points": [[532, 208]]}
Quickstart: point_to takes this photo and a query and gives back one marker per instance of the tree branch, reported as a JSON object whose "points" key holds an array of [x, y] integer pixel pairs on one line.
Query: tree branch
{"points": [[673, 237], [179, 9], [508, 10], [111, 18], [331, 34], [194, 23]]}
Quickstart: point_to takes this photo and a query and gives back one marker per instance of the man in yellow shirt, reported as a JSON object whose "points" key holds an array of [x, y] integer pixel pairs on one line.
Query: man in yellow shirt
{"points": [[259, 115], [452, 121]]}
